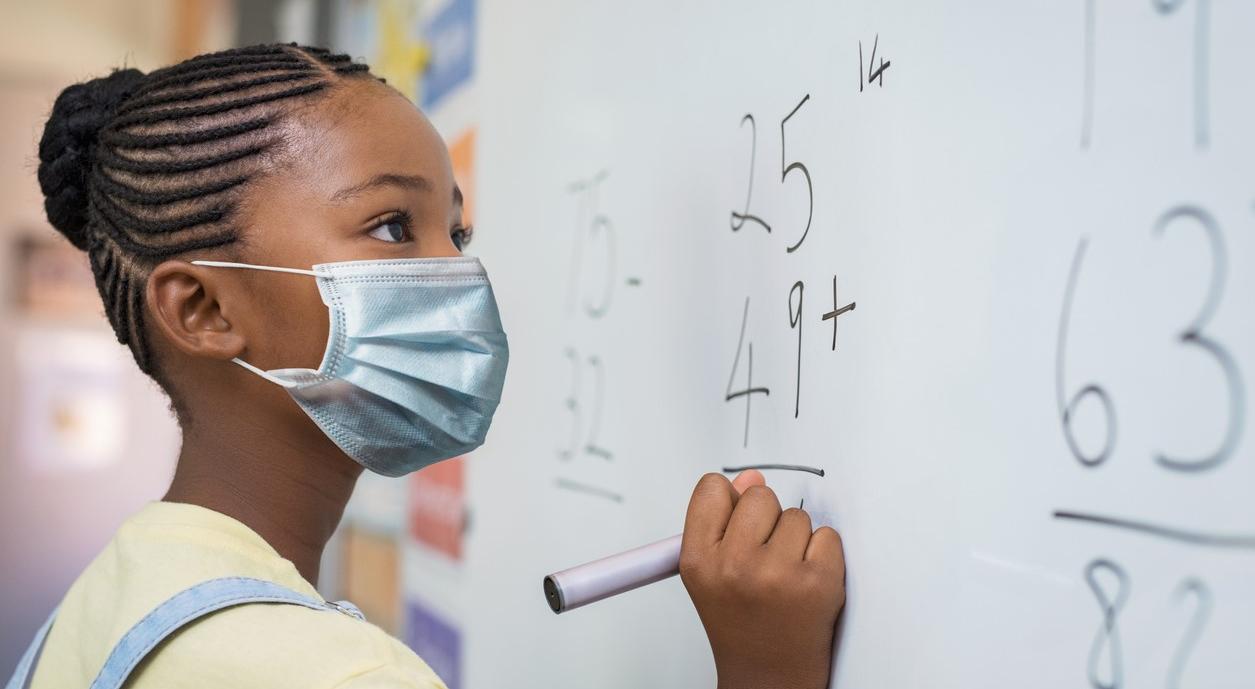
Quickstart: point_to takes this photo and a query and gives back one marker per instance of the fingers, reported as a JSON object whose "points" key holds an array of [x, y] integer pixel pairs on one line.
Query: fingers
{"points": [[745, 512], [712, 503], [754, 517], [709, 509], [747, 478], [825, 549], [792, 534]]}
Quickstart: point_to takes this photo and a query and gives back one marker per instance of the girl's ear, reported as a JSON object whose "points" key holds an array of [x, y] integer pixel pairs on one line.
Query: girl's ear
{"points": [[186, 305]]}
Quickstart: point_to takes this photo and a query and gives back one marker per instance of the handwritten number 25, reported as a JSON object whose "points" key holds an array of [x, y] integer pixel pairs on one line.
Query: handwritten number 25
{"points": [[739, 218]]}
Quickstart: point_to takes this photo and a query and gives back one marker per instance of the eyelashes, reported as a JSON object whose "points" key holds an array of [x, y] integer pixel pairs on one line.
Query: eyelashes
{"points": [[398, 227], [462, 235]]}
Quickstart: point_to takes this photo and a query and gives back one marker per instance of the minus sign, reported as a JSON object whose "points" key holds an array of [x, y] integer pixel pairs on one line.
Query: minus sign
{"points": [[588, 489], [634, 282]]}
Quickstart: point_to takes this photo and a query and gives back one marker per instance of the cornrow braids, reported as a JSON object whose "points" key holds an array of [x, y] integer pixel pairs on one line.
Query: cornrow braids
{"points": [[137, 168]]}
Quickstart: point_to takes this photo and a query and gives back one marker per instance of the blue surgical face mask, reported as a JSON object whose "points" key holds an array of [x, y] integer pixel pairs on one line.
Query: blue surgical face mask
{"points": [[415, 360]]}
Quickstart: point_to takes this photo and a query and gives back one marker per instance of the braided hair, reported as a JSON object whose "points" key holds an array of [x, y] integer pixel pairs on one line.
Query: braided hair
{"points": [[138, 168]]}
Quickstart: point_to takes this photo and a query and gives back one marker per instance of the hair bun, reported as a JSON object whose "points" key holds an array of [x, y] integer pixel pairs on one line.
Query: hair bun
{"points": [[67, 147]]}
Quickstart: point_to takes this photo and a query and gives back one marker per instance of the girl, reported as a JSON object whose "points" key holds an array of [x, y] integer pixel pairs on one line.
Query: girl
{"points": [[277, 237]]}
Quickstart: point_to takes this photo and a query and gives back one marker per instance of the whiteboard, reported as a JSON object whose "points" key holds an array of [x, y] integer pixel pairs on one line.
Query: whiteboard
{"points": [[1034, 426]]}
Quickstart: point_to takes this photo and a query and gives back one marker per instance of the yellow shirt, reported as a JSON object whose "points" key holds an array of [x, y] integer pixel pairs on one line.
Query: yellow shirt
{"points": [[167, 547]]}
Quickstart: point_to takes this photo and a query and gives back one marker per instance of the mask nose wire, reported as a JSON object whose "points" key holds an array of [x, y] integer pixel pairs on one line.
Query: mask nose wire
{"points": [[275, 269]]}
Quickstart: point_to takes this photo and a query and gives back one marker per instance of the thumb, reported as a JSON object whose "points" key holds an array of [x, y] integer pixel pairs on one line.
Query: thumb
{"points": [[747, 478]]}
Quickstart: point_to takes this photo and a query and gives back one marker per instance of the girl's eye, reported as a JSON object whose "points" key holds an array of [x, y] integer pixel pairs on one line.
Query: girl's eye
{"points": [[394, 229], [462, 236]]}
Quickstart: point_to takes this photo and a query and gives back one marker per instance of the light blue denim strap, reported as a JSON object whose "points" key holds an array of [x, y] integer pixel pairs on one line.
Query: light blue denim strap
{"points": [[188, 606], [22, 674]]}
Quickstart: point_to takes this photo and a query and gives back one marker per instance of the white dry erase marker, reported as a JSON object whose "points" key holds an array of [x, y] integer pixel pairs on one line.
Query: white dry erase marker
{"points": [[609, 576]]}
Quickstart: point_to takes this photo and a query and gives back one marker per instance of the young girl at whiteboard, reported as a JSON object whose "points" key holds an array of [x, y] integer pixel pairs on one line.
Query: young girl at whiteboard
{"points": [[277, 237]]}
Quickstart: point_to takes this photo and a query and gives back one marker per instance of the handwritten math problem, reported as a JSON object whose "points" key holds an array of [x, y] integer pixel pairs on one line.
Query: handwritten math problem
{"points": [[779, 207], [797, 291], [593, 279], [1110, 582], [982, 305]]}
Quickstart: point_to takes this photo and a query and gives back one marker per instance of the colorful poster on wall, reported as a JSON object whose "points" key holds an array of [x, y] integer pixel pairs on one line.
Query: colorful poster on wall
{"points": [[370, 576], [438, 507], [462, 153], [386, 34], [451, 37], [436, 641]]}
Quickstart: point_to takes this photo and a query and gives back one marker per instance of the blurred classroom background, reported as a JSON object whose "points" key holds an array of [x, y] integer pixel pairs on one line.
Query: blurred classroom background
{"points": [[85, 439]]}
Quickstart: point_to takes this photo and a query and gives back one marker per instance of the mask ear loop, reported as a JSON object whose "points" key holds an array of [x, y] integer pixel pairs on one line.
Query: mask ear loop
{"points": [[276, 269], [264, 374]]}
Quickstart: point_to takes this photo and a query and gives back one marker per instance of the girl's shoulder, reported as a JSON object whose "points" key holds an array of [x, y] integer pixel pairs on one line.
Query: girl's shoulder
{"points": [[167, 549]]}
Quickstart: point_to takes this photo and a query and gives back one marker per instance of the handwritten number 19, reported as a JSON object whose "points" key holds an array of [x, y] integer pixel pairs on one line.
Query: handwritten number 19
{"points": [[1201, 70]]}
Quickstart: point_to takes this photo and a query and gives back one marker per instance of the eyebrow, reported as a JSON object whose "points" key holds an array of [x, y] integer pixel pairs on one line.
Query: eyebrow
{"points": [[457, 195], [386, 179]]}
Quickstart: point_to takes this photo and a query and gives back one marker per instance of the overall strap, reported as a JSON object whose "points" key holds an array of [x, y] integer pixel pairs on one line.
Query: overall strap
{"points": [[22, 673], [178, 611], [186, 607]]}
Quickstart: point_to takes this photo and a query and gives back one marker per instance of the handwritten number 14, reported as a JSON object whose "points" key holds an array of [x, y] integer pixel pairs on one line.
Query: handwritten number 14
{"points": [[875, 72]]}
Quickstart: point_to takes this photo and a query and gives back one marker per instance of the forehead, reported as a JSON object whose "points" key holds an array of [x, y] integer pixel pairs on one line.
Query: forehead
{"points": [[360, 130]]}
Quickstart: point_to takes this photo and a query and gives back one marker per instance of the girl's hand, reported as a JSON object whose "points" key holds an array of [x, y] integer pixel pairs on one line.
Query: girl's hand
{"points": [[767, 588]]}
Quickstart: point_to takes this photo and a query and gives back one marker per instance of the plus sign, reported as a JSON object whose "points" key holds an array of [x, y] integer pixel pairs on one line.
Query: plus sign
{"points": [[832, 315]]}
